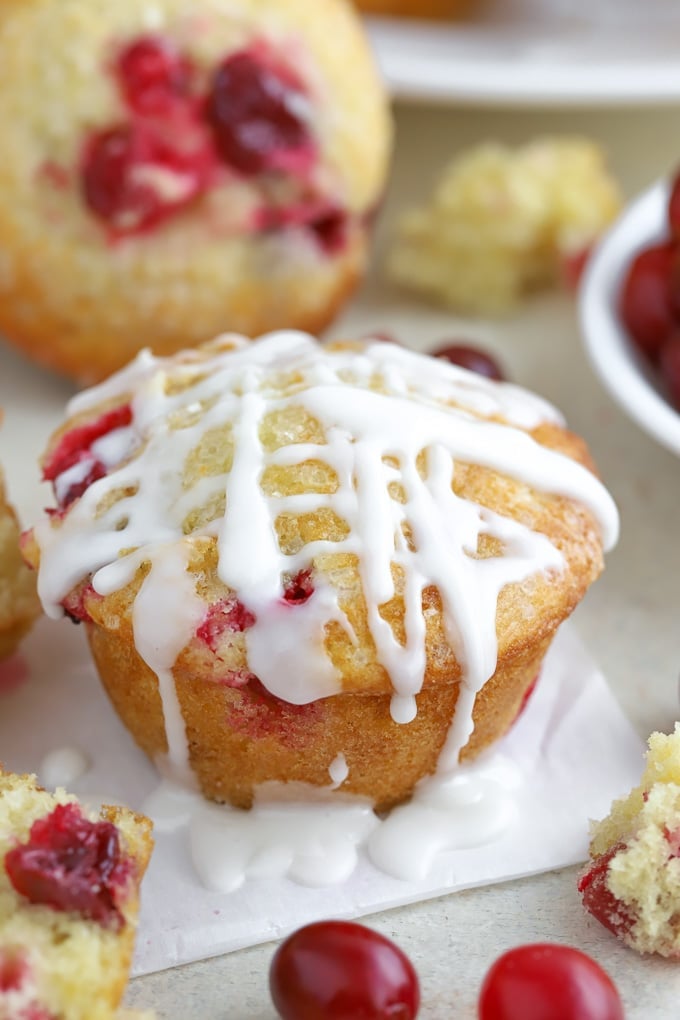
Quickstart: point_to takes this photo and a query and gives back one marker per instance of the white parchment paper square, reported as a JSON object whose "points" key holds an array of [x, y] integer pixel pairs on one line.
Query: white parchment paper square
{"points": [[575, 749]]}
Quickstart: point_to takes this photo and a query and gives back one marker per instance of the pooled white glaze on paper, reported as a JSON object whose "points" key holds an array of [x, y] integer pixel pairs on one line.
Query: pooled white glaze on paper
{"points": [[389, 417], [338, 770], [62, 767], [302, 833]]}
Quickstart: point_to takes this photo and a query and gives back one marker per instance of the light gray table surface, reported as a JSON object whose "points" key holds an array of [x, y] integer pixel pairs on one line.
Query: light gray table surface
{"points": [[629, 619]]}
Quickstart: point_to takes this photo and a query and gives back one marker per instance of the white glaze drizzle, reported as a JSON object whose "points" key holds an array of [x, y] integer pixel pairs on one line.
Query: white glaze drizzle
{"points": [[419, 410]]}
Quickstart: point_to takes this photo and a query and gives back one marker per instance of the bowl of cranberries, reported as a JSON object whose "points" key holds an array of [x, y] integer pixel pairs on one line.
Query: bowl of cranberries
{"points": [[629, 304]]}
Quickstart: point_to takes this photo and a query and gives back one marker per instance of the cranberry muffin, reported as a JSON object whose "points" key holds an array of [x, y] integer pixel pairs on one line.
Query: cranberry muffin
{"points": [[284, 552], [177, 170]]}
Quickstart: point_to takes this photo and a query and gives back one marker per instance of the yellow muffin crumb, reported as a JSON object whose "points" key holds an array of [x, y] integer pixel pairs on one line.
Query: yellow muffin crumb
{"points": [[504, 222], [633, 886]]}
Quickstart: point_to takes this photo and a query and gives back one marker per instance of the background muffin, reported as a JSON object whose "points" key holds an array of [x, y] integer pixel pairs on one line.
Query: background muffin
{"points": [[171, 172], [19, 604]]}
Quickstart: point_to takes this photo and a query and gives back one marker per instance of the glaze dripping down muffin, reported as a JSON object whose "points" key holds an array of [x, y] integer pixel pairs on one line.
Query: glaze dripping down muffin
{"points": [[181, 168], [283, 552]]}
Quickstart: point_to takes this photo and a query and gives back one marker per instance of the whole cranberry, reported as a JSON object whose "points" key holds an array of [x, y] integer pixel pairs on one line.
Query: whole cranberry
{"points": [[546, 982], [645, 302], [674, 207], [473, 358], [340, 970]]}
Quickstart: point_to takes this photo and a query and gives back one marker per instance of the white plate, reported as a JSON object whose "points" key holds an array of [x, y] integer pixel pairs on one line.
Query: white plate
{"points": [[622, 371], [537, 53]]}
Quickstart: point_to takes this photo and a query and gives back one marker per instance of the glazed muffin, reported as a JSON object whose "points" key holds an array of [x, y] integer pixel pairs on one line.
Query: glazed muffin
{"points": [[285, 552], [69, 897], [503, 223], [177, 170], [632, 883], [19, 605]]}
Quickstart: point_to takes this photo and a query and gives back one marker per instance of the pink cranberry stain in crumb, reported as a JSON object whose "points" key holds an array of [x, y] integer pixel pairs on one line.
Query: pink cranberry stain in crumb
{"points": [[14, 673], [253, 109], [672, 837], [72, 864], [55, 175], [327, 224], [74, 447], [14, 970], [74, 603], [259, 714], [229, 616], [599, 900], [299, 589]]}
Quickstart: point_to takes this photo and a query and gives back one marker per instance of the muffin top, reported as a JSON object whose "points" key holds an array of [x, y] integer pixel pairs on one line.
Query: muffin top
{"points": [[346, 517]]}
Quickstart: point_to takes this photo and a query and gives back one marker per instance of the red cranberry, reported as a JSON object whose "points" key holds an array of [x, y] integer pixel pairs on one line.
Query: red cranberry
{"points": [[152, 75], [542, 981], [598, 899], [74, 448], [573, 266], [13, 970], [338, 970], [472, 358], [526, 697], [645, 303], [121, 170], [674, 207], [251, 108], [300, 588], [330, 230], [227, 616], [71, 864], [74, 603]]}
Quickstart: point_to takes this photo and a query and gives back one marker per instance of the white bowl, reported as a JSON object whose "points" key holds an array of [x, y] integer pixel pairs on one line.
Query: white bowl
{"points": [[620, 367]]}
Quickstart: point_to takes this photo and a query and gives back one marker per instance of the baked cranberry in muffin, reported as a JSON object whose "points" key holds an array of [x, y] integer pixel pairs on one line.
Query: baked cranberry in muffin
{"points": [[69, 889], [219, 171]]}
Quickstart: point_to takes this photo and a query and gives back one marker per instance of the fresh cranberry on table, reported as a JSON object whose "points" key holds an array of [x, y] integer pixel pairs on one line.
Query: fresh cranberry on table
{"points": [[340, 970], [543, 981], [473, 358]]}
